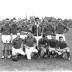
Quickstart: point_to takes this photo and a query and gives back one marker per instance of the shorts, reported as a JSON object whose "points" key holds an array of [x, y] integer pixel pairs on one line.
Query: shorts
{"points": [[58, 35], [23, 36], [30, 49], [6, 38], [52, 49], [17, 51], [37, 38], [49, 37]]}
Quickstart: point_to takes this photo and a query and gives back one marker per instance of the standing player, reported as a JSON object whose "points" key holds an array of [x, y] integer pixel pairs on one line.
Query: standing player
{"points": [[6, 38], [24, 31], [14, 29], [34, 30], [60, 30], [48, 30]]}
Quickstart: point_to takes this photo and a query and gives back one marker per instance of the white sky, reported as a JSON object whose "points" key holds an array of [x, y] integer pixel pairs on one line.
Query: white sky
{"points": [[41, 8]]}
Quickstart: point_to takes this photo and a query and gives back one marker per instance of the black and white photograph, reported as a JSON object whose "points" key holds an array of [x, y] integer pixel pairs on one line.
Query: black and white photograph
{"points": [[35, 35]]}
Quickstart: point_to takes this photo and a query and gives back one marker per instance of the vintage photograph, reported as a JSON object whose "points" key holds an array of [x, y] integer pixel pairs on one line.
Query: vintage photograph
{"points": [[35, 35]]}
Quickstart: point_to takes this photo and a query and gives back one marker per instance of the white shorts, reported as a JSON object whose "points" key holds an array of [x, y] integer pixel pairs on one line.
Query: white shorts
{"points": [[58, 35], [23, 36], [6, 38], [49, 37], [29, 51], [37, 38], [17, 51], [51, 49]]}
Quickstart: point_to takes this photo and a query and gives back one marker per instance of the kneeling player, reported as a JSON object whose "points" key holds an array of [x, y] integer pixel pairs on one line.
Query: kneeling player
{"points": [[30, 46], [53, 46], [17, 47], [63, 48], [43, 44]]}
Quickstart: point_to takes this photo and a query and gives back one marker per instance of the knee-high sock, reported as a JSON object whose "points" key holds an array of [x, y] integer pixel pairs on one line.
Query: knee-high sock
{"points": [[68, 54]]}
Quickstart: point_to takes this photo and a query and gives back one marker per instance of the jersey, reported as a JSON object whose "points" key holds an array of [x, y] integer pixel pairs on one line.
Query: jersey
{"points": [[48, 30], [53, 43], [34, 30], [62, 45], [29, 41], [60, 29], [6, 30], [17, 43], [14, 29], [43, 41], [24, 28]]}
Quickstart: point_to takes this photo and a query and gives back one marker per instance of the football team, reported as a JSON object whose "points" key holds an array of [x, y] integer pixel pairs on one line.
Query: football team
{"points": [[34, 38]]}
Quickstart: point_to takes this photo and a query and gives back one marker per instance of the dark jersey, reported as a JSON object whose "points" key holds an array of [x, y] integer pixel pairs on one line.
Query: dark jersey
{"points": [[53, 43], [34, 30], [17, 43], [62, 45], [24, 28], [43, 41], [48, 30], [14, 29], [30, 41], [39, 31], [60, 29], [6, 30]]}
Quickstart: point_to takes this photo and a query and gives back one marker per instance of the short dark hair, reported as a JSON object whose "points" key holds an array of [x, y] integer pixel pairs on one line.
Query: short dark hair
{"points": [[60, 37], [43, 35]]}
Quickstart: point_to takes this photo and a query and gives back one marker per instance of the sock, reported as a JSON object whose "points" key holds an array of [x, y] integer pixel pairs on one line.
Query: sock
{"points": [[68, 54], [7, 52], [3, 52], [10, 52]]}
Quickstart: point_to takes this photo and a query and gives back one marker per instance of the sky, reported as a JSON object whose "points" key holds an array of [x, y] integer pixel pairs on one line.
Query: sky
{"points": [[39, 8]]}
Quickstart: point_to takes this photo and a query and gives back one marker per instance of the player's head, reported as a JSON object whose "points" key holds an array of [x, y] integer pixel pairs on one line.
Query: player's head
{"points": [[61, 38], [30, 35]]}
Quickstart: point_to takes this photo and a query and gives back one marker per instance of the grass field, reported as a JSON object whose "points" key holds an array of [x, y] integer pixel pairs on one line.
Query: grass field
{"points": [[38, 64]]}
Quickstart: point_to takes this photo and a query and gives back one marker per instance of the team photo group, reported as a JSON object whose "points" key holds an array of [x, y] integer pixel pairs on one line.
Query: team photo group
{"points": [[34, 37]]}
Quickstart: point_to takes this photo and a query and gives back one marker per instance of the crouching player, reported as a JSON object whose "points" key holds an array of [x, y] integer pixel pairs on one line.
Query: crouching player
{"points": [[30, 44], [6, 38], [63, 48], [53, 45], [43, 45], [17, 47]]}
